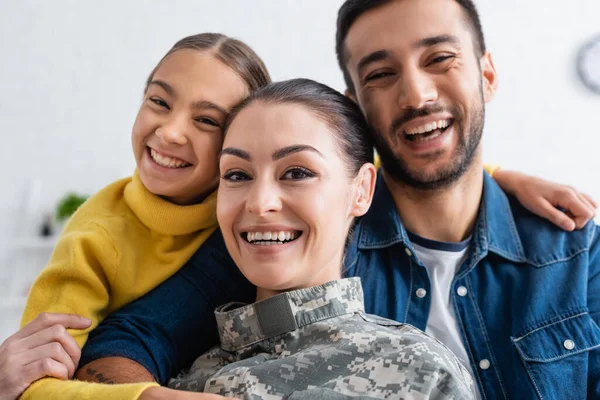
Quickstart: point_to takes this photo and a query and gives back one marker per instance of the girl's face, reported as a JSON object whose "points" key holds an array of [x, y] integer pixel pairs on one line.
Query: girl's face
{"points": [[178, 133], [286, 200]]}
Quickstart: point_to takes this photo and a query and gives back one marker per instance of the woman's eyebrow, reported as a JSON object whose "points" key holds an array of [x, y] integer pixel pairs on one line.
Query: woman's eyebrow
{"points": [[286, 151], [232, 151]]}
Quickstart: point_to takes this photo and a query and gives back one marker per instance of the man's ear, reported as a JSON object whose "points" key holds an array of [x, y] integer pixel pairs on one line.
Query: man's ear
{"points": [[364, 190], [489, 77]]}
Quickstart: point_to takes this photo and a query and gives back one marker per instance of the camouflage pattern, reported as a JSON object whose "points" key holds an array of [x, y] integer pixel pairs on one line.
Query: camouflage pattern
{"points": [[318, 343]]}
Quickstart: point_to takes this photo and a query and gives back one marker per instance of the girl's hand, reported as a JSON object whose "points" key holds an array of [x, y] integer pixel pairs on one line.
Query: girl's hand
{"points": [[42, 348], [543, 198]]}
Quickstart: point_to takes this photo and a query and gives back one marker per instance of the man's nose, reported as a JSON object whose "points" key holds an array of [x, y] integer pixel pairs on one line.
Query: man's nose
{"points": [[417, 89]]}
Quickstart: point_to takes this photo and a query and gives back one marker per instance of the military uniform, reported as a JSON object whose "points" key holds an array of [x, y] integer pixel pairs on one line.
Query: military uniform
{"points": [[317, 343]]}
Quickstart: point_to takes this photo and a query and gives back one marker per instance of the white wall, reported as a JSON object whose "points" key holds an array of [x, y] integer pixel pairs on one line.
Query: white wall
{"points": [[72, 71]]}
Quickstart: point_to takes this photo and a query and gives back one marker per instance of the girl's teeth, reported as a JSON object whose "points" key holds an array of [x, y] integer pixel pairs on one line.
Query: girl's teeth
{"points": [[167, 161], [270, 237]]}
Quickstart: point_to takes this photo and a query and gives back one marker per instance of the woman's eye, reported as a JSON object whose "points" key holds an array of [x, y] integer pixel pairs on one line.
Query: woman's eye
{"points": [[297, 174], [159, 102], [377, 75], [208, 121], [235, 176]]}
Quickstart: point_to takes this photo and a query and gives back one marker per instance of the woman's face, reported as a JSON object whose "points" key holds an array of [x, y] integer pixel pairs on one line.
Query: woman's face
{"points": [[178, 132], [286, 200]]}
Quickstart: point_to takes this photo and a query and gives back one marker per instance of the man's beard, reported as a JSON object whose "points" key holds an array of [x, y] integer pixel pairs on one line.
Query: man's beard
{"points": [[464, 154]]}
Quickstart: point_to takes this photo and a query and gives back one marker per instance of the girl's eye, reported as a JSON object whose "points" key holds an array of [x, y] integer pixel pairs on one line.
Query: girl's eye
{"points": [[377, 75], [236, 176], [208, 121], [297, 174], [159, 102]]}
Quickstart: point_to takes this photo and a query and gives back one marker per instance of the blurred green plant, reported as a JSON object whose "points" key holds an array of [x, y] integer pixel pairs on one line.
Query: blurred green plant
{"points": [[68, 205]]}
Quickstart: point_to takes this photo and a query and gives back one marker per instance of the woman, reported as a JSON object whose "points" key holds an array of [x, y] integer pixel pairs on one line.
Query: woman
{"points": [[296, 169]]}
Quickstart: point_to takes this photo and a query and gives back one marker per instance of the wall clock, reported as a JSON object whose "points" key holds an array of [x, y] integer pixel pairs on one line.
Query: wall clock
{"points": [[588, 64]]}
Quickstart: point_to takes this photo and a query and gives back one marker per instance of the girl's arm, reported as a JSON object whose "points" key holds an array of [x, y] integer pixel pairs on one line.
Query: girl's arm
{"points": [[562, 205]]}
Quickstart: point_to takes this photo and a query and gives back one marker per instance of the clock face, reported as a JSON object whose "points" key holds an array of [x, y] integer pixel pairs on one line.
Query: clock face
{"points": [[588, 64]]}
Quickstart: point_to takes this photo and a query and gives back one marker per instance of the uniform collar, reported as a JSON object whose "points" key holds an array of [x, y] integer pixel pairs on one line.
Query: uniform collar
{"points": [[242, 325]]}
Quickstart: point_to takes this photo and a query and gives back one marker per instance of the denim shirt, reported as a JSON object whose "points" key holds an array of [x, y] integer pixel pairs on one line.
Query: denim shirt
{"points": [[527, 300]]}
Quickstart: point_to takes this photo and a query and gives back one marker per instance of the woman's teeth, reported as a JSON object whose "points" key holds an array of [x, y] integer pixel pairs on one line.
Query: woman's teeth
{"points": [[167, 162], [269, 238]]}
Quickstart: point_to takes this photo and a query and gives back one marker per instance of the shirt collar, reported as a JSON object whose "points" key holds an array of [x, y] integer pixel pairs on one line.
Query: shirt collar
{"points": [[495, 228], [241, 325]]}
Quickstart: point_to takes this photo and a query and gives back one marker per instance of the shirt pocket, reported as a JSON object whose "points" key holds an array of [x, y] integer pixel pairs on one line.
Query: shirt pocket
{"points": [[556, 355]]}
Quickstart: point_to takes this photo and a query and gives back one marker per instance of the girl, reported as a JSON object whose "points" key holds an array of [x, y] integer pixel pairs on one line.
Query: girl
{"points": [[137, 232]]}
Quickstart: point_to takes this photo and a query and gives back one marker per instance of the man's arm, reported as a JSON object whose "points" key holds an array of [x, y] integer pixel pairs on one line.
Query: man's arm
{"points": [[594, 309], [164, 331], [122, 370]]}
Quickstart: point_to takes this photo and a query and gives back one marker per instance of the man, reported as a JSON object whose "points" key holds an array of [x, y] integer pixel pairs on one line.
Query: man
{"points": [[515, 298], [442, 248]]}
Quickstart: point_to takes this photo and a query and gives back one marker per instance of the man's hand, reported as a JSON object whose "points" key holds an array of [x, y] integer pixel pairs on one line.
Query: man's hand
{"points": [[544, 198], [42, 348], [162, 393]]}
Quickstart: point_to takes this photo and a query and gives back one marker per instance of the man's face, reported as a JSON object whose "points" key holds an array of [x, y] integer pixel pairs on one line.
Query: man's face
{"points": [[422, 88]]}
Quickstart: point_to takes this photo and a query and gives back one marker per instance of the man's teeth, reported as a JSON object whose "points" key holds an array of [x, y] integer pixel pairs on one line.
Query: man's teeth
{"points": [[167, 162], [270, 237], [428, 127]]}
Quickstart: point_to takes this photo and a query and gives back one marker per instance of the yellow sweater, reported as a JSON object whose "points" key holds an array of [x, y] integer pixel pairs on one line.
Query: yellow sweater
{"points": [[118, 246]]}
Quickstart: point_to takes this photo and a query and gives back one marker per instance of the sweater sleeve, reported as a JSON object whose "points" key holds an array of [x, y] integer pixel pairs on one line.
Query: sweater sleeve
{"points": [[77, 280], [491, 168], [55, 389]]}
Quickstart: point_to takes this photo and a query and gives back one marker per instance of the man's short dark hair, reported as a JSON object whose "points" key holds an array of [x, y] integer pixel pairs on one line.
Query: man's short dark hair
{"points": [[351, 10]]}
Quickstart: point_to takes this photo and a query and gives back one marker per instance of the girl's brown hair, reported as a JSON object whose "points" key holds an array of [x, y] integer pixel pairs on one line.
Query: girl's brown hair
{"points": [[235, 54]]}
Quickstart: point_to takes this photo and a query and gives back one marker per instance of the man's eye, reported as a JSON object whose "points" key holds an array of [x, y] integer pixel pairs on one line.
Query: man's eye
{"points": [[297, 174], [377, 75], [159, 102], [440, 59], [236, 176]]}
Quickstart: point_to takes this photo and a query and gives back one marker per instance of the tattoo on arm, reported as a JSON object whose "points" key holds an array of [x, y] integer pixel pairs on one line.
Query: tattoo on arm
{"points": [[95, 376], [114, 370]]}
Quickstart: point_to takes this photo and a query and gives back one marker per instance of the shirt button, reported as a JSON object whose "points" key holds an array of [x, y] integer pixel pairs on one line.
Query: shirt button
{"points": [[408, 252], [462, 291], [421, 293], [569, 344], [484, 364]]}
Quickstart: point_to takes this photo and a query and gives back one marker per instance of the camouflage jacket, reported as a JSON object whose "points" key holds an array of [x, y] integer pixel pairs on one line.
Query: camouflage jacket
{"points": [[318, 343]]}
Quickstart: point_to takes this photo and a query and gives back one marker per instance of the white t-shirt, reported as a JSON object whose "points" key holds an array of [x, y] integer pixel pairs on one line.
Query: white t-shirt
{"points": [[442, 261]]}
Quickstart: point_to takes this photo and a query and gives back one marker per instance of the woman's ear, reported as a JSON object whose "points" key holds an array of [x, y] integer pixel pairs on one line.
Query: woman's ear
{"points": [[364, 189]]}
